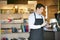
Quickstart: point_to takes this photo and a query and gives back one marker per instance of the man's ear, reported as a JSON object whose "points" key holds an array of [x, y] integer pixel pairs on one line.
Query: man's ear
{"points": [[37, 8]]}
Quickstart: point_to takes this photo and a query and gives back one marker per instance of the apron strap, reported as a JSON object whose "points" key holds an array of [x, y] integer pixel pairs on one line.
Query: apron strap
{"points": [[34, 15]]}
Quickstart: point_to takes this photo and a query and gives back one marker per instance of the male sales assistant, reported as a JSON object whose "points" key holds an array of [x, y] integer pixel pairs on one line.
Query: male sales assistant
{"points": [[36, 21]]}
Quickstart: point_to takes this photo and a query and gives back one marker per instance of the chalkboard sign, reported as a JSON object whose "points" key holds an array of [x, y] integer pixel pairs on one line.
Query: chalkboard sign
{"points": [[17, 1]]}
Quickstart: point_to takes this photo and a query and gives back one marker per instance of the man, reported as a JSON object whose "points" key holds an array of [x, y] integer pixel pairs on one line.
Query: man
{"points": [[36, 21]]}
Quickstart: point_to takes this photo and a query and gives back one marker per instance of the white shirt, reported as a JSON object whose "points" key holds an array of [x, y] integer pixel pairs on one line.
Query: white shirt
{"points": [[31, 21]]}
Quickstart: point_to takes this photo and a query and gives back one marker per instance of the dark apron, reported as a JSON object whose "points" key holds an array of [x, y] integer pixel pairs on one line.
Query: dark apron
{"points": [[37, 34]]}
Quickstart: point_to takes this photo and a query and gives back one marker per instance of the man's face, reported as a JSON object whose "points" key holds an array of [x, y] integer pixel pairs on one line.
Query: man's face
{"points": [[40, 10]]}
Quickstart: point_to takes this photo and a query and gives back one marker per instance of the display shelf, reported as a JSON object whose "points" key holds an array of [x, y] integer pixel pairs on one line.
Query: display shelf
{"points": [[9, 34], [16, 21]]}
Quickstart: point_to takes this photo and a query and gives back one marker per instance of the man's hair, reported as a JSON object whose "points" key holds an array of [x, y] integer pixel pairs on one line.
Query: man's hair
{"points": [[39, 6]]}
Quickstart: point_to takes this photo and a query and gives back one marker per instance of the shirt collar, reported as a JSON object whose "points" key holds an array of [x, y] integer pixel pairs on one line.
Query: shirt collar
{"points": [[37, 13]]}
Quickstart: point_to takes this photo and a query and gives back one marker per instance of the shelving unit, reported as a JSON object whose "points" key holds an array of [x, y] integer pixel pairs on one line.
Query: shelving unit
{"points": [[13, 24], [16, 34]]}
